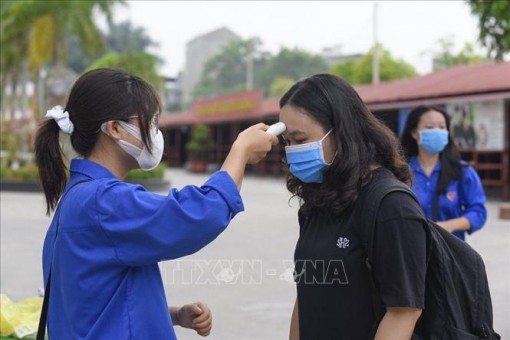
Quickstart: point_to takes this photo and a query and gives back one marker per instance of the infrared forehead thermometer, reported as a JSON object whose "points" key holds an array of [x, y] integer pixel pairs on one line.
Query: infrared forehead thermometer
{"points": [[276, 129]]}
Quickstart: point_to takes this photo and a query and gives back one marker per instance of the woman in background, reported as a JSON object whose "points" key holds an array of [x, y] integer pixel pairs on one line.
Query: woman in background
{"points": [[449, 190]]}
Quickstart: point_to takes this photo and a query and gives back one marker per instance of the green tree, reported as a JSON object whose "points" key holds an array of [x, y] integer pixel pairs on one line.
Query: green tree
{"points": [[494, 25], [226, 72], [50, 22], [124, 37], [200, 143], [141, 64], [359, 71], [15, 24], [121, 38], [445, 57], [14, 44], [350, 70], [33, 33], [280, 85], [293, 64]]}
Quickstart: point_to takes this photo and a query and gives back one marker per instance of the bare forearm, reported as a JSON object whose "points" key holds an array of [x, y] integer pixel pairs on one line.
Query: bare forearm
{"points": [[174, 315], [250, 147], [459, 223], [235, 164], [398, 324], [294, 324]]}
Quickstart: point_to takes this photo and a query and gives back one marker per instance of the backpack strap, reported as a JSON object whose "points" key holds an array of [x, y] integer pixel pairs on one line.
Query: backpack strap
{"points": [[370, 200], [41, 331], [435, 207]]}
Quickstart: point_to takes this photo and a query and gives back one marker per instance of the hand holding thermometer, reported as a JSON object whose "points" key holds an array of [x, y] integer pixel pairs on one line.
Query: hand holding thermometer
{"points": [[276, 129]]}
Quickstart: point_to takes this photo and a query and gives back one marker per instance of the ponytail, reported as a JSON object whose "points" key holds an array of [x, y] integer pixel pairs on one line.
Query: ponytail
{"points": [[96, 97], [49, 158]]}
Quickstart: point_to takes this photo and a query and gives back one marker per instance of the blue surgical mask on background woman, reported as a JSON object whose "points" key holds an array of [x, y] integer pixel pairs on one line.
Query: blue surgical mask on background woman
{"points": [[433, 140], [306, 161]]}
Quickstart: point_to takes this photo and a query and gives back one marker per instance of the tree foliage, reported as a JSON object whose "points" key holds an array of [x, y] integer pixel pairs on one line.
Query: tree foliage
{"points": [[200, 143], [33, 35], [45, 24], [293, 64], [280, 85], [359, 71], [227, 71], [444, 57], [494, 25], [121, 38], [124, 37], [141, 64]]}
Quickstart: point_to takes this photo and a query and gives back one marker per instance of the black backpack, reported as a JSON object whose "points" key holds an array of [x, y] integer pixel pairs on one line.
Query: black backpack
{"points": [[457, 298]]}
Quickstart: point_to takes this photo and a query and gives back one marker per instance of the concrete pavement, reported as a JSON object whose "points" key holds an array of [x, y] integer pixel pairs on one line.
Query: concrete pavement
{"points": [[244, 275]]}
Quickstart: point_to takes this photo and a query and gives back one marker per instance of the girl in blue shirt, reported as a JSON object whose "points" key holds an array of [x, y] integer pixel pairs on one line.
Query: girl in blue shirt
{"points": [[449, 190], [107, 236]]}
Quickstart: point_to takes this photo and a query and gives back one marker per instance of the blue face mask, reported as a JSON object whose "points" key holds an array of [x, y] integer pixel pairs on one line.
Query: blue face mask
{"points": [[433, 140], [306, 161]]}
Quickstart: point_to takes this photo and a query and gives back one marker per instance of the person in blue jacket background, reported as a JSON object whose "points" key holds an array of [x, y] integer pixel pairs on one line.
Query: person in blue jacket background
{"points": [[449, 190], [102, 249]]}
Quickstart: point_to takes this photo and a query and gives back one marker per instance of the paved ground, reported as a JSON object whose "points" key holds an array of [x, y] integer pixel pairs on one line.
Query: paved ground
{"points": [[244, 274]]}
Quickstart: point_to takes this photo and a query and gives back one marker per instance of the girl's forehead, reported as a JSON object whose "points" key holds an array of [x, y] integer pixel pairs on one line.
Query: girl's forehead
{"points": [[432, 116], [296, 116], [300, 123]]}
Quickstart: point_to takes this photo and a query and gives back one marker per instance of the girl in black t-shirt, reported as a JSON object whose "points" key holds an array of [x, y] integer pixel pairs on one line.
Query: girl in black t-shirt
{"points": [[335, 148]]}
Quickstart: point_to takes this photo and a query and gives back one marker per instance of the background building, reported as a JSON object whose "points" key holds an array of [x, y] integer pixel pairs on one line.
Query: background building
{"points": [[475, 96], [334, 55], [171, 93], [198, 51]]}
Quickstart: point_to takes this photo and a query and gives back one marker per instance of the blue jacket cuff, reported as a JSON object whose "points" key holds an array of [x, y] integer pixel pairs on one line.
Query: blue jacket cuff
{"points": [[226, 187]]}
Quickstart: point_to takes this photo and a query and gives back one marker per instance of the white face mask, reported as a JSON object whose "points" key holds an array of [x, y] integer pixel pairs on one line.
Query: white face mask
{"points": [[146, 160]]}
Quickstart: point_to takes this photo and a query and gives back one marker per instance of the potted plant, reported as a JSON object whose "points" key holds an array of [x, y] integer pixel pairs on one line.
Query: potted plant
{"points": [[198, 147], [17, 169]]}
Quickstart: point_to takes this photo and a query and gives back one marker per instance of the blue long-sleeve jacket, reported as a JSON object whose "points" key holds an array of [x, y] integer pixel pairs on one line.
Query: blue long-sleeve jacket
{"points": [[464, 198], [105, 279]]}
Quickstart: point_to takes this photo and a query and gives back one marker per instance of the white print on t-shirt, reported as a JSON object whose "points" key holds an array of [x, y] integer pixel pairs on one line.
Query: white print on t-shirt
{"points": [[342, 242]]}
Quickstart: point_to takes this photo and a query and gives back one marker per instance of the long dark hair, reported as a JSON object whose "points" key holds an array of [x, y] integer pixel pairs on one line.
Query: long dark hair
{"points": [[451, 167], [96, 97], [362, 141]]}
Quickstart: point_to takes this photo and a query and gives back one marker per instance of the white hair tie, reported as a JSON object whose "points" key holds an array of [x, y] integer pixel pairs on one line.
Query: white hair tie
{"points": [[62, 118]]}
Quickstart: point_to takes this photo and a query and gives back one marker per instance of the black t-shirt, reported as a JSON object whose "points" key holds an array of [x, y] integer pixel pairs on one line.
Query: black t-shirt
{"points": [[333, 285]]}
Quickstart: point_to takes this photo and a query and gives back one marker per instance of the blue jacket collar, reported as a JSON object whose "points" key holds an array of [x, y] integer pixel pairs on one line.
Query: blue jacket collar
{"points": [[85, 168], [415, 165]]}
